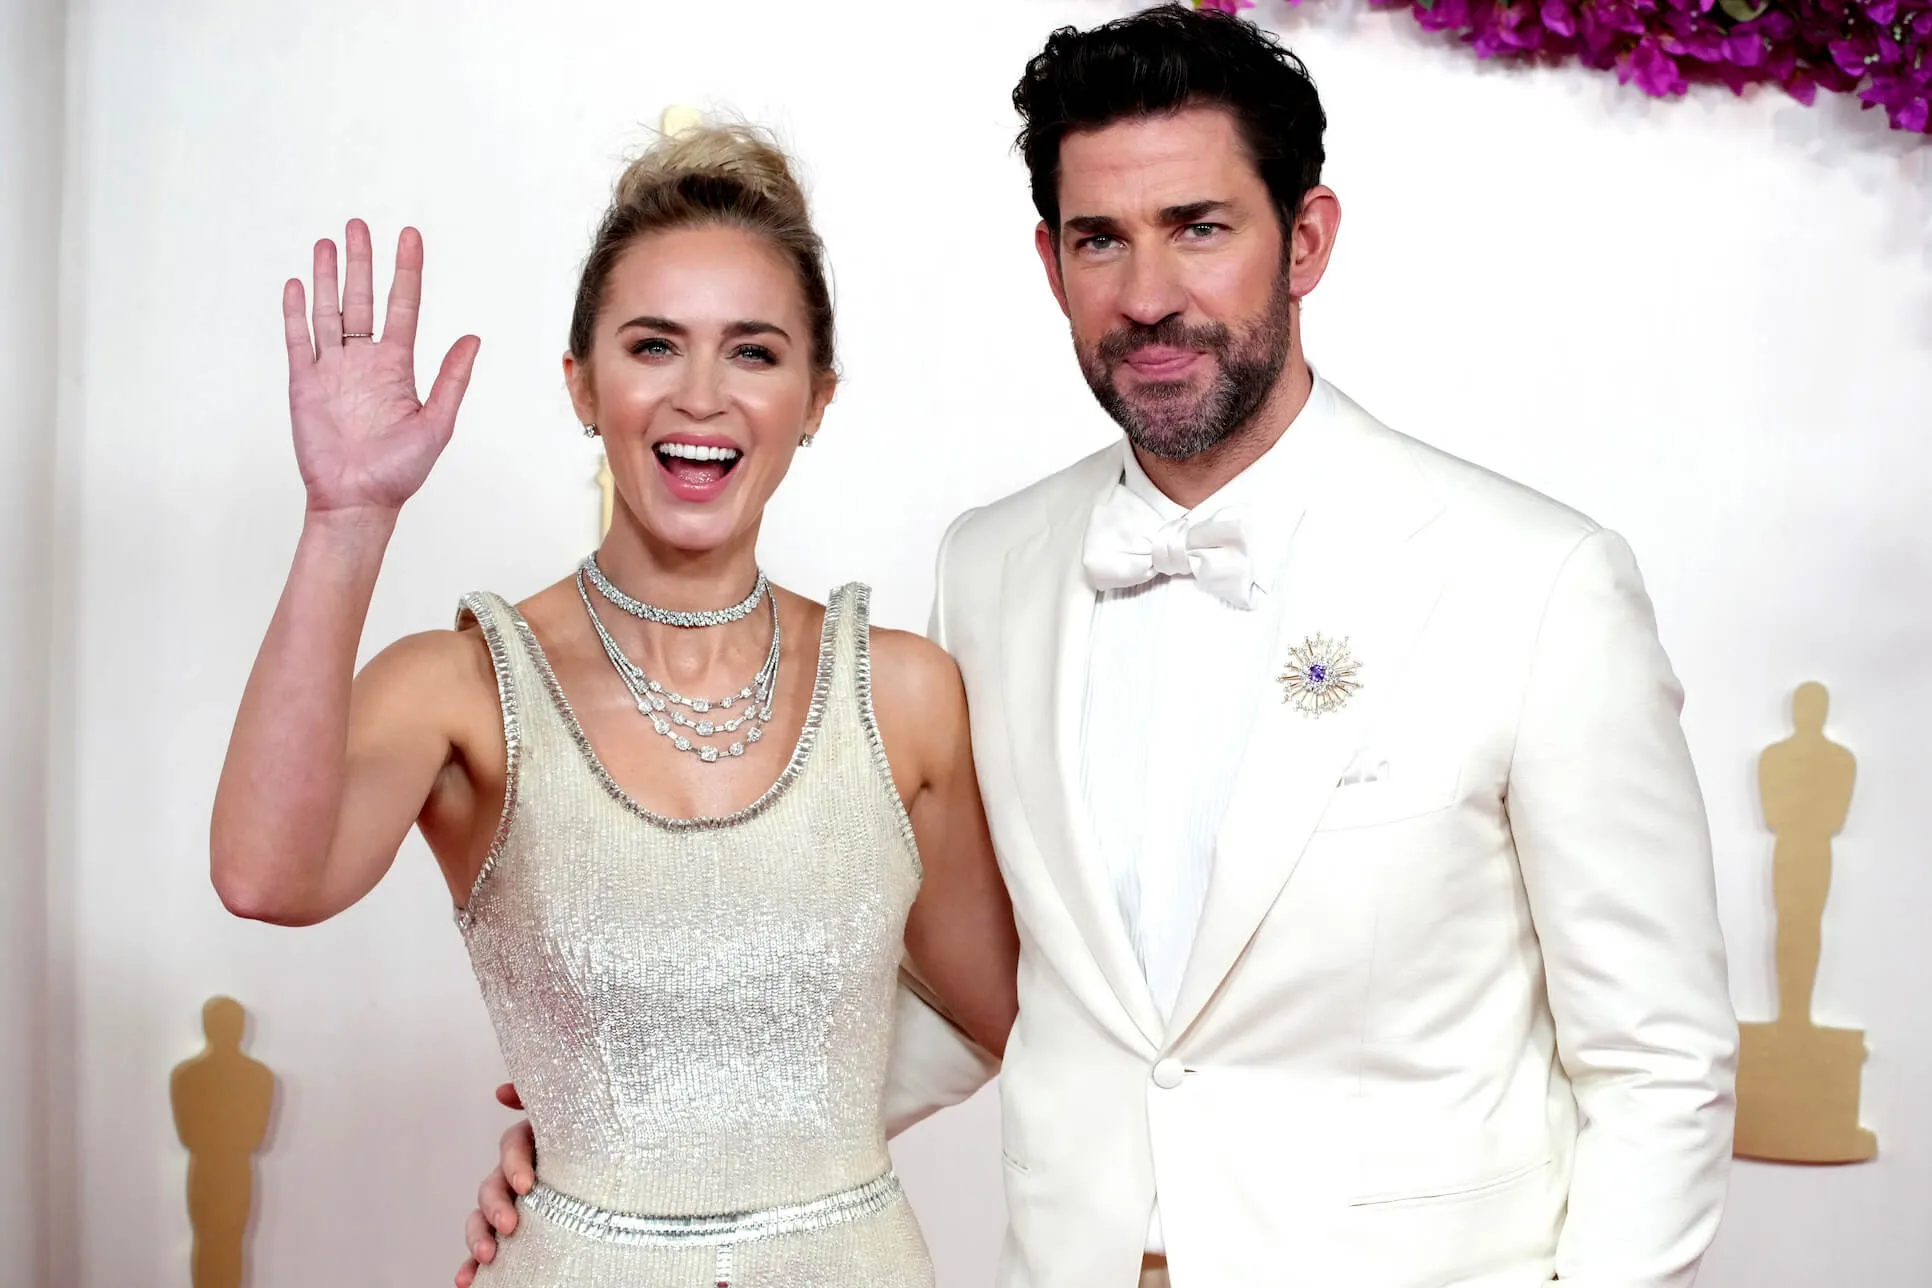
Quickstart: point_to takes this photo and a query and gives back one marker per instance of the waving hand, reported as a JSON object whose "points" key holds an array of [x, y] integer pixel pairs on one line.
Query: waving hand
{"points": [[363, 439]]}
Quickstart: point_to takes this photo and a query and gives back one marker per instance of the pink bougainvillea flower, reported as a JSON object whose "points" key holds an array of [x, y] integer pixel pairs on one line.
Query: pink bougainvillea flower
{"points": [[1744, 51], [1880, 50]]}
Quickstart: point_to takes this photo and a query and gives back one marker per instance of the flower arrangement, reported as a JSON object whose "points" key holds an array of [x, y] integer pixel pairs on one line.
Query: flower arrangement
{"points": [[1880, 50]]}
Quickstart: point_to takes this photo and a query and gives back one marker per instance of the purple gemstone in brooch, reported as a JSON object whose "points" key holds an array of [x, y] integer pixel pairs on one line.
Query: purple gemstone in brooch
{"points": [[1320, 676]]}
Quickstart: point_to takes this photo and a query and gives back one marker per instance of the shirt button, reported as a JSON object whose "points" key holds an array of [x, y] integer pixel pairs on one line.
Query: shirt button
{"points": [[1168, 1074]]}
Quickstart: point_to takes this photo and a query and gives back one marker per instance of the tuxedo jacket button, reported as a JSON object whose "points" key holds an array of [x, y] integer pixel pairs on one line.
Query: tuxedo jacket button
{"points": [[1168, 1074]]}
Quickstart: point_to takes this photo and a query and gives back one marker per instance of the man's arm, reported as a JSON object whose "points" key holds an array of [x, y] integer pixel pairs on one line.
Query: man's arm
{"points": [[934, 1064], [1616, 859]]}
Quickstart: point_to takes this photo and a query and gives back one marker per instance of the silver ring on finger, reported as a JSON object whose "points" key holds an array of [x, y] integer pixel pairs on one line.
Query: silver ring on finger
{"points": [[357, 335]]}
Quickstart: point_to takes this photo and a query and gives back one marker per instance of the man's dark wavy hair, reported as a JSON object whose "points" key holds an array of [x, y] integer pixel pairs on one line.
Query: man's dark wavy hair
{"points": [[1162, 60]]}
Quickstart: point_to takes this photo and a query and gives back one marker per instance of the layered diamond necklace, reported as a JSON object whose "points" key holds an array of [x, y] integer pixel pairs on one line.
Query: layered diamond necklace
{"points": [[666, 709]]}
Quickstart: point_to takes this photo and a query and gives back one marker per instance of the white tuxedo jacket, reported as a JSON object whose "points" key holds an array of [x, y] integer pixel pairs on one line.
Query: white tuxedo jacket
{"points": [[1457, 1011]]}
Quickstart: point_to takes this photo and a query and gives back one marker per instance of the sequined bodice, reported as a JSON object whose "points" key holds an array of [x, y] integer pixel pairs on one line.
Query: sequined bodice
{"points": [[697, 1013]]}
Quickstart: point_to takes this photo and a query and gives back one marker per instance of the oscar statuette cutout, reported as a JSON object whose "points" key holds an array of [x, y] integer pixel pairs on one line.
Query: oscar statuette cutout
{"points": [[1797, 1083], [607, 497], [221, 1103]]}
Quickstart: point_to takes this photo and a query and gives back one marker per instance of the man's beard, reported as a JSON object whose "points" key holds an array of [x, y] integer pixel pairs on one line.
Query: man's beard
{"points": [[1166, 419]]}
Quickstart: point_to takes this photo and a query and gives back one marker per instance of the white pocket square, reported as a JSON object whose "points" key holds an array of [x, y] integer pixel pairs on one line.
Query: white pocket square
{"points": [[1383, 789], [1364, 770]]}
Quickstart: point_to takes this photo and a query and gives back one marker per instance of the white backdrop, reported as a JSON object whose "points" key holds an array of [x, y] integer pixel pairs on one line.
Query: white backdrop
{"points": [[1705, 323]]}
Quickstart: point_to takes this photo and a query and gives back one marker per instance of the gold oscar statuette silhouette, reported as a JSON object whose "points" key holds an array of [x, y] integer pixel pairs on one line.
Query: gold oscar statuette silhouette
{"points": [[1797, 1084], [221, 1111], [607, 492]]}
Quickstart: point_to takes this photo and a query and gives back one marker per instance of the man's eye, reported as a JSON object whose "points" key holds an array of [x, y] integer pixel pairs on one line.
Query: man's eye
{"points": [[1203, 230], [1099, 241]]}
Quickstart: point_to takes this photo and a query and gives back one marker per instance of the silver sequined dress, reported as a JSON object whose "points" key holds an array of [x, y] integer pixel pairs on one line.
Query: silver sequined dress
{"points": [[698, 1012]]}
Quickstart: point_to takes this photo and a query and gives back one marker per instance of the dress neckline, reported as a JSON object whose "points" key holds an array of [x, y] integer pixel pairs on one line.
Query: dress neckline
{"points": [[801, 750]]}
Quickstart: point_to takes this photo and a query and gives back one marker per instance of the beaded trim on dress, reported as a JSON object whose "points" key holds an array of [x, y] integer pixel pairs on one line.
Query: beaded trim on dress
{"points": [[476, 605], [801, 752], [740, 1227], [853, 597], [862, 631]]}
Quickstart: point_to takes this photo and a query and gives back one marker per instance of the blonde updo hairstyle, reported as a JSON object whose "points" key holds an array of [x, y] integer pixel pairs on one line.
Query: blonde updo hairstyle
{"points": [[725, 175]]}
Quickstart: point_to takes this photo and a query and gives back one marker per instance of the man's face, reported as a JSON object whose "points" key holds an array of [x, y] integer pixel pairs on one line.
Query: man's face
{"points": [[1169, 264]]}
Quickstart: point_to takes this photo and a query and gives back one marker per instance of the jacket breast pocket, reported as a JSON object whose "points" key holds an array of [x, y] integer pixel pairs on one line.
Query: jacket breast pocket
{"points": [[1377, 791]]}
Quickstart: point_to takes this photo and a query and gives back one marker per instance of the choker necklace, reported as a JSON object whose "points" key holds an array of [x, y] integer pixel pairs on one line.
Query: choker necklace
{"points": [[661, 705], [664, 616]]}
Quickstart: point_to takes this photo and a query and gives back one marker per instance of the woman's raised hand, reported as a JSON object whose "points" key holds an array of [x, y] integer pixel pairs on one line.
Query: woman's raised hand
{"points": [[363, 439]]}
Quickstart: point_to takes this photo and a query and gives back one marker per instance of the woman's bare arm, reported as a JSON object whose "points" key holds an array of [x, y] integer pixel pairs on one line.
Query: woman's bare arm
{"points": [[326, 771], [960, 935]]}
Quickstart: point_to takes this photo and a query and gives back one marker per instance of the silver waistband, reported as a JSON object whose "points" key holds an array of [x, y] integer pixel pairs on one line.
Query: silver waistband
{"points": [[737, 1227]]}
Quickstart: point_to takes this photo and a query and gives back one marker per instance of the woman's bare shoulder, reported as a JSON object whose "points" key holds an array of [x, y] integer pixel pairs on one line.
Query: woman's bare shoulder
{"points": [[452, 669], [907, 665], [435, 671], [919, 701]]}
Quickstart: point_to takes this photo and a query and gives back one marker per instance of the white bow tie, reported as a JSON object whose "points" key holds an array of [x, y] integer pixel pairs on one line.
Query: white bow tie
{"points": [[1128, 544]]}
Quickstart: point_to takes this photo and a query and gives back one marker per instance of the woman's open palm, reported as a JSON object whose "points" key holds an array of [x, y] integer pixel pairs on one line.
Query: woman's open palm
{"points": [[363, 439]]}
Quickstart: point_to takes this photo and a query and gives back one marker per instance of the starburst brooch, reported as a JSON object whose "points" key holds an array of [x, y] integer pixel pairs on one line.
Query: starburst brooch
{"points": [[1320, 676]]}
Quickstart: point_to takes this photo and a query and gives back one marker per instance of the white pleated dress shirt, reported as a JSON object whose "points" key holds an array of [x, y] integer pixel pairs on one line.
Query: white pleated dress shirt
{"points": [[1175, 675]]}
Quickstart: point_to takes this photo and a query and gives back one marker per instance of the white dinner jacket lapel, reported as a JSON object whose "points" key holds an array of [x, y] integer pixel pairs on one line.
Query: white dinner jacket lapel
{"points": [[1047, 622], [1355, 572]]}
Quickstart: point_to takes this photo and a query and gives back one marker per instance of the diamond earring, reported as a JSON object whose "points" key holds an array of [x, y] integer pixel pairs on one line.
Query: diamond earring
{"points": [[590, 431], [805, 440]]}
